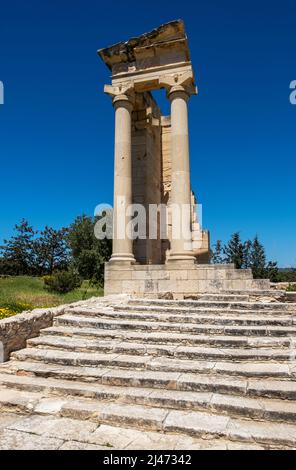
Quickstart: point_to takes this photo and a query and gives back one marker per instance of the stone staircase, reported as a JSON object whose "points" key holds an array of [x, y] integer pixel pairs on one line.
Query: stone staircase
{"points": [[218, 369]]}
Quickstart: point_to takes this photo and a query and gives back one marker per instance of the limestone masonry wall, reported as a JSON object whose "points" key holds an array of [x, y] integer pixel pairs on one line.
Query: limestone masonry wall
{"points": [[179, 280], [15, 331], [146, 168]]}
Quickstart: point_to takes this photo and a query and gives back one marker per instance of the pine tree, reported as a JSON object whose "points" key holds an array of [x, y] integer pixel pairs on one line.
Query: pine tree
{"points": [[52, 251], [217, 253], [247, 254], [272, 271], [258, 259], [18, 251], [234, 251]]}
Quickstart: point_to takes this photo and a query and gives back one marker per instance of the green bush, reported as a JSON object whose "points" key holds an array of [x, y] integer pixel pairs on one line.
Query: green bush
{"points": [[287, 275], [62, 282], [291, 288]]}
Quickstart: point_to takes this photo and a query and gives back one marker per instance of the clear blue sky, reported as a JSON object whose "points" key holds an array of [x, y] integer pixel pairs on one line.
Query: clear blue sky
{"points": [[56, 126]]}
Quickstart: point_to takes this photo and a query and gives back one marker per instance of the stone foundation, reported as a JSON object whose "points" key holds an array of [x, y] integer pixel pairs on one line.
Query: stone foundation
{"points": [[180, 280]]}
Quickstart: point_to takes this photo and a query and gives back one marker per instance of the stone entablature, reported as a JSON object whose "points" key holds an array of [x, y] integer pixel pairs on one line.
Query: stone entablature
{"points": [[163, 49]]}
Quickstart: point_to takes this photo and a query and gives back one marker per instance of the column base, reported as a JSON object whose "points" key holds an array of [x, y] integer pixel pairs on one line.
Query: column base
{"points": [[182, 257], [122, 258]]}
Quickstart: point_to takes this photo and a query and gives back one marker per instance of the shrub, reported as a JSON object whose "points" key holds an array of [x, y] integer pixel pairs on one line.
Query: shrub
{"points": [[8, 267], [9, 309], [62, 282], [291, 288], [6, 313]]}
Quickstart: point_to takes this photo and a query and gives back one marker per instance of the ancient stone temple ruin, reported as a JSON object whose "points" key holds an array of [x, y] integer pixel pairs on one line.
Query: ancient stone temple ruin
{"points": [[152, 170]]}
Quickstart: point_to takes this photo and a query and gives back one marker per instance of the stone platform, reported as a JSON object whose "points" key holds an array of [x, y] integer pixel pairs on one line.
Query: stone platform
{"points": [[178, 280]]}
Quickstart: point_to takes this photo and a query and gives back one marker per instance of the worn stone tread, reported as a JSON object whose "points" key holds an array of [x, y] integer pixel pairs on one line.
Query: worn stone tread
{"points": [[249, 330], [205, 304], [158, 380], [174, 322], [225, 297], [138, 348], [195, 423], [162, 363], [25, 441], [198, 424], [164, 312], [172, 337], [274, 410], [82, 435], [177, 315]]}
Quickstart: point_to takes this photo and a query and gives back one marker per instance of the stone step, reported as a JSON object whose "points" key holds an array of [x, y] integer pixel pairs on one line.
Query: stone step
{"points": [[172, 322], [57, 433], [224, 297], [198, 424], [189, 304], [134, 348], [171, 338], [256, 292], [179, 314], [194, 423], [151, 363], [212, 329], [275, 389], [265, 409]]}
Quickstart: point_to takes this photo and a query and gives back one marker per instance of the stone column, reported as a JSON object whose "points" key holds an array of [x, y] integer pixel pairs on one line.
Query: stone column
{"points": [[122, 242], [181, 243]]}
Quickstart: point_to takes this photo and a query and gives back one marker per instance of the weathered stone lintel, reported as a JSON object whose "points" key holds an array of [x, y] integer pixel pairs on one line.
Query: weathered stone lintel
{"points": [[167, 39]]}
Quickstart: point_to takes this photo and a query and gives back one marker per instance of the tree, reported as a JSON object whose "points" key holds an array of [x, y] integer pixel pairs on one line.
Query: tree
{"points": [[81, 235], [272, 271], [89, 254], [250, 254], [258, 259], [217, 253], [52, 250], [234, 251], [247, 248], [18, 252]]}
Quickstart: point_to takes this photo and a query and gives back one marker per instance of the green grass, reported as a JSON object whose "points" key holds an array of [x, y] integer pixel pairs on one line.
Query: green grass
{"points": [[26, 293]]}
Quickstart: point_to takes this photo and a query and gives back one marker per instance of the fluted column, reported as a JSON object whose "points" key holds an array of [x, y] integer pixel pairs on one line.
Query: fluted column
{"points": [[181, 243], [179, 88], [122, 250]]}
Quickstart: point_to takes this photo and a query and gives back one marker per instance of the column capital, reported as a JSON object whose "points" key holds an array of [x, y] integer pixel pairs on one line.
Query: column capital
{"points": [[182, 83], [121, 93]]}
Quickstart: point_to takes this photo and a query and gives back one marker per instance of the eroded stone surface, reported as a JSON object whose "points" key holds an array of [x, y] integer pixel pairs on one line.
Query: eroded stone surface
{"points": [[14, 440]]}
